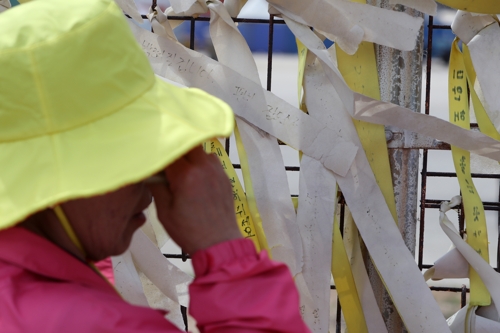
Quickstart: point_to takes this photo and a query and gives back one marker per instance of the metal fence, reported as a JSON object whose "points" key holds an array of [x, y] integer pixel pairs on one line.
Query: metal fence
{"points": [[428, 176]]}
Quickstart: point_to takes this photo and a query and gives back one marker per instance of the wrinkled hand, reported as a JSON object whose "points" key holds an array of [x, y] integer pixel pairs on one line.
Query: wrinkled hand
{"points": [[196, 208]]}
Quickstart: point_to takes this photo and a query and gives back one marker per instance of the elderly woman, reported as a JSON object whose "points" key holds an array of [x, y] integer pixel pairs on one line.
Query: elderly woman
{"points": [[83, 121]]}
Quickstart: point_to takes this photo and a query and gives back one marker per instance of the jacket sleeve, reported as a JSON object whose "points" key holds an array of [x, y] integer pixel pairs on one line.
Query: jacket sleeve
{"points": [[237, 290]]}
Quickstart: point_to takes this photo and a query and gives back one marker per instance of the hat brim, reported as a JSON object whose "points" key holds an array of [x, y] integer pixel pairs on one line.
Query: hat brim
{"points": [[122, 148]]}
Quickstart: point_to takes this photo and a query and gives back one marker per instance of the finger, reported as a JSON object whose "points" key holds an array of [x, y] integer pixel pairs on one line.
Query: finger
{"points": [[160, 191], [177, 168], [196, 155], [162, 197]]}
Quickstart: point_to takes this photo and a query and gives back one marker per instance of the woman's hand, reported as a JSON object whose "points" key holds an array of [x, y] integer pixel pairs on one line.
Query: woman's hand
{"points": [[196, 207]]}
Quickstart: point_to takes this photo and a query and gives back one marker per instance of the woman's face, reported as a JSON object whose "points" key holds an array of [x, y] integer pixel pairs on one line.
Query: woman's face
{"points": [[105, 223]]}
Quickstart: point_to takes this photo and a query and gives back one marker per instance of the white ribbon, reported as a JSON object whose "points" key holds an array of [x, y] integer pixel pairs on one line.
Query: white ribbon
{"points": [[390, 255], [484, 320], [196, 7], [371, 310], [315, 214], [160, 23], [465, 25], [4, 5], [279, 118], [267, 170], [189, 7], [450, 266], [471, 320], [349, 23], [234, 6], [317, 201], [127, 281], [144, 277], [129, 8], [317, 197], [157, 233], [484, 51], [378, 112], [172, 281]]}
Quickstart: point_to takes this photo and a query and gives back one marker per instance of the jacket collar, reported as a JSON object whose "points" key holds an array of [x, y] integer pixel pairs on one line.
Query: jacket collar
{"points": [[38, 255]]}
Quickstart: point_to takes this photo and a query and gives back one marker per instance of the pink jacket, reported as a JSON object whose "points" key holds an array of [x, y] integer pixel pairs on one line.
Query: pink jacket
{"points": [[45, 289]]}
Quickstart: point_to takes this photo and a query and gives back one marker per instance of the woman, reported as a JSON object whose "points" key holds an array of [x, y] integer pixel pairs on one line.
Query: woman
{"points": [[83, 122]]}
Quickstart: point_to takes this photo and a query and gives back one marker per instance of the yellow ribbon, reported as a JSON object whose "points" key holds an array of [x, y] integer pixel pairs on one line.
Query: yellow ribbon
{"points": [[477, 236], [360, 73], [302, 51], [252, 203], [474, 6], [345, 285], [69, 229], [241, 205]]}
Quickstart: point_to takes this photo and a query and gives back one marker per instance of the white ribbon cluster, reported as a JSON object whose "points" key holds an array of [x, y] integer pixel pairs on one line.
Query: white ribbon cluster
{"points": [[472, 319], [481, 34], [143, 276], [129, 8], [348, 23], [326, 136]]}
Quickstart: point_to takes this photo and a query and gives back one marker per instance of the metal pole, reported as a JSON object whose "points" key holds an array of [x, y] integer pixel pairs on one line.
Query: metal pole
{"points": [[400, 77]]}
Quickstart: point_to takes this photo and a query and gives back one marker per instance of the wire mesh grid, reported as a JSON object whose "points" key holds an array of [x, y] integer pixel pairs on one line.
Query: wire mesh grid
{"points": [[428, 175]]}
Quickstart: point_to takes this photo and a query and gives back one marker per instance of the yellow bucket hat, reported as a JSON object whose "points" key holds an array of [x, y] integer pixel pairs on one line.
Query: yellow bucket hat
{"points": [[81, 112]]}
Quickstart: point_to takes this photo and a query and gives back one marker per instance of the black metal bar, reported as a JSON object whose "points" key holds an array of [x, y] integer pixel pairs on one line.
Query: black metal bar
{"points": [[488, 206], [270, 52], [444, 27], [287, 168], [184, 317], [486, 203], [453, 175], [338, 320], [342, 219], [192, 33], [429, 64], [452, 289], [423, 192], [153, 6], [239, 20], [498, 237], [206, 19], [461, 219], [433, 288], [463, 296], [176, 256], [227, 144], [423, 183]]}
